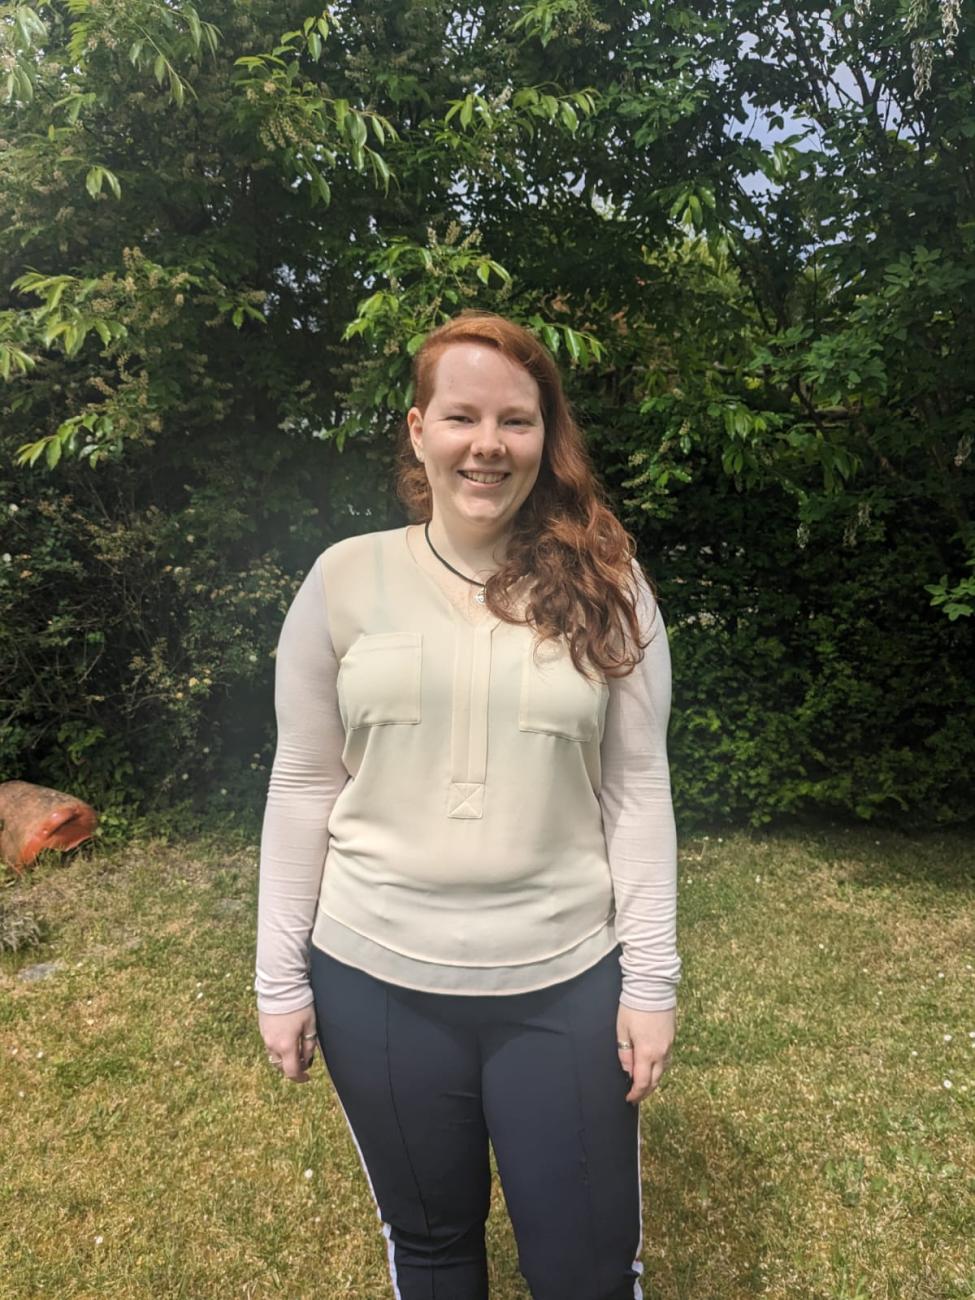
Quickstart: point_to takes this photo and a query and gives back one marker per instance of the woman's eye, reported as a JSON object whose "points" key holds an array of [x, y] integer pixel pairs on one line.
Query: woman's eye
{"points": [[519, 419]]}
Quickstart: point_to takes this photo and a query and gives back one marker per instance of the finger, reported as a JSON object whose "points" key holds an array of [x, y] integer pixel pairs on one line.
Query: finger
{"points": [[291, 1058], [294, 1069], [626, 1059], [642, 1079]]}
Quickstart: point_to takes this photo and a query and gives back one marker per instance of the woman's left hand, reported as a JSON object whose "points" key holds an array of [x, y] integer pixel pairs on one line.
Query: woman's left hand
{"points": [[651, 1034]]}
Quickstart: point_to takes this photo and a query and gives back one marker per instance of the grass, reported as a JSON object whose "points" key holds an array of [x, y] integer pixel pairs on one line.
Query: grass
{"points": [[803, 1144]]}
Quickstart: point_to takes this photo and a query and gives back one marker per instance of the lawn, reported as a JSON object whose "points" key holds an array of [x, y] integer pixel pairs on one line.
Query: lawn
{"points": [[813, 1139]]}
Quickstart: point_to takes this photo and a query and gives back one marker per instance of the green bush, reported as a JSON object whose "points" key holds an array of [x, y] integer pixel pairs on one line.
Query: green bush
{"points": [[140, 605], [810, 678]]}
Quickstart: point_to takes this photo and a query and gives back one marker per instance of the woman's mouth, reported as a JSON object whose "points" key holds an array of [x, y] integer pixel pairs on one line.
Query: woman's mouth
{"points": [[483, 479]]}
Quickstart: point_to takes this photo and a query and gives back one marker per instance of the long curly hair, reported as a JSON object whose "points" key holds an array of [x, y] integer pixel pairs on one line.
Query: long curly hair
{"points": [[565, 537]]}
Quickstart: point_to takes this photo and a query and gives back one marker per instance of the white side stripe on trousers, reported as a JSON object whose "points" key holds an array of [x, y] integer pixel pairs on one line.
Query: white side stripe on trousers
{"points": [[637, 1289], [379, 1215]]}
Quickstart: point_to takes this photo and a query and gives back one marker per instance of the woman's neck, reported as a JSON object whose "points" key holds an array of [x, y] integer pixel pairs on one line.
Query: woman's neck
{"points": [[473, 554]]}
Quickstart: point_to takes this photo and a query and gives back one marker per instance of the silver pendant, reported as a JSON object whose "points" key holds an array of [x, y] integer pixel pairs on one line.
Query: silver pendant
{"points": [[479, 596]]}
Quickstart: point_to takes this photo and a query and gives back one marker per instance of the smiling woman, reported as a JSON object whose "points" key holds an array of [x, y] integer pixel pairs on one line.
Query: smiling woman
{"points": [[468, 867]]}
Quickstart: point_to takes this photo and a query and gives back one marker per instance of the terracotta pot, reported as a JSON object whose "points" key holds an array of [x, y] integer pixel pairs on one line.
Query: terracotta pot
{"points": [[33, 818]]}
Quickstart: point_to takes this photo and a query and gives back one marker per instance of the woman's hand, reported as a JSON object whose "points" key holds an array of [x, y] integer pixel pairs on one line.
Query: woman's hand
{"points": [[290, 1041], [651, 1034]]}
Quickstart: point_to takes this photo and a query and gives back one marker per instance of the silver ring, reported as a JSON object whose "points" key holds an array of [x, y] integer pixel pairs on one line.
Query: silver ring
{"points": [[622, 1046]]}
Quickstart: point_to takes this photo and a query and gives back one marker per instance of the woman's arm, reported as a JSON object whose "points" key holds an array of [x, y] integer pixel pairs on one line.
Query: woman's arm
{"points": [[638, 818], [306, 777]]}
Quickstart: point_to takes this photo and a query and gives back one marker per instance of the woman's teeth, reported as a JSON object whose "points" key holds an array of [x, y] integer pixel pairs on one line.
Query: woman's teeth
{"points": [[483, 478]]}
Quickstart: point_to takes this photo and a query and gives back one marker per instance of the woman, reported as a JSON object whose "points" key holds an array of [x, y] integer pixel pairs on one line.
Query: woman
{"points": [[468, 862]]}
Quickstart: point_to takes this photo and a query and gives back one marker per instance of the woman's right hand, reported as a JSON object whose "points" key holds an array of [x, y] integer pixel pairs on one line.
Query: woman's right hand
{"points": [[290, 1039]]}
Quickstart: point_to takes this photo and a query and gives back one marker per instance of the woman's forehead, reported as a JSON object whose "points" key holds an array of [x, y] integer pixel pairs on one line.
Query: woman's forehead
{"points": [[475, 370]]}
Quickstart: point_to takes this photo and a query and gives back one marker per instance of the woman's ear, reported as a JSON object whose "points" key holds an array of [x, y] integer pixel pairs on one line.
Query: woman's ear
{"points": [[414, 422]]}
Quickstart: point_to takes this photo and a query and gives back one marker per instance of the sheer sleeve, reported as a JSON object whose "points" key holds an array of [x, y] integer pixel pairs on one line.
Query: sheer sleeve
{"points": [[306, 777], [638, 818]]}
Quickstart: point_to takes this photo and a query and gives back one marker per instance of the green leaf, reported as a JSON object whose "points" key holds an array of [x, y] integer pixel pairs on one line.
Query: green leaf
{"points": [[21, 34], [379, 165], [93, 181], [53, 453], [357, 130], [24, 85]]}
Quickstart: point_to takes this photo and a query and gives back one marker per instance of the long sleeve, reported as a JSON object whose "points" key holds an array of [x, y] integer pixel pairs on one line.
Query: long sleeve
{"points": [[306, 777], [638, 818]]}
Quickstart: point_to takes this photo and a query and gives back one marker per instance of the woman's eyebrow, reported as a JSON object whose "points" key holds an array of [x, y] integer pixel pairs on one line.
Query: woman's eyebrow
{"points": [[505, 410]]}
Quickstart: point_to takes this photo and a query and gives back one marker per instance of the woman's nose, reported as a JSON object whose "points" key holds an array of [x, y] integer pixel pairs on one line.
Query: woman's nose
{"points": [[487, 437]]}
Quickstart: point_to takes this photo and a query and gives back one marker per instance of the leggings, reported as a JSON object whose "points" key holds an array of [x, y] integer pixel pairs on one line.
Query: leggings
{"points": [[425, 1080]]}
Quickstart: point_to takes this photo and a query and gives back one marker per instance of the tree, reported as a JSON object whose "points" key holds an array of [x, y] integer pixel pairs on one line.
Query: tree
{"points": [[225, 229]]}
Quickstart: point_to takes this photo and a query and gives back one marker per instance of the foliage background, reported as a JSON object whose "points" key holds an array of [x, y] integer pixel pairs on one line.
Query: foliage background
{"points": [[744, 229]]}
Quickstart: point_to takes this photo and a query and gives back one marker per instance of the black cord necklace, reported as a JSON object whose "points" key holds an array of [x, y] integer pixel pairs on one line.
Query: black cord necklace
{"points": [[479, 595]]}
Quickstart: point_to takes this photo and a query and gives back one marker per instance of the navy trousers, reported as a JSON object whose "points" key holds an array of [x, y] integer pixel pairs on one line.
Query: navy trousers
{"points": [[427, 1079]]}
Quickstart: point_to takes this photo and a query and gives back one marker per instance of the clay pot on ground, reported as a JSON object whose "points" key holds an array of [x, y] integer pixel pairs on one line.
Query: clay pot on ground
{"points": [[34, 818]]}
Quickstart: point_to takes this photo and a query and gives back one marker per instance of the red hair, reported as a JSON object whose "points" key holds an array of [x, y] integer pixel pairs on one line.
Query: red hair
{"points": [[565, 536]]}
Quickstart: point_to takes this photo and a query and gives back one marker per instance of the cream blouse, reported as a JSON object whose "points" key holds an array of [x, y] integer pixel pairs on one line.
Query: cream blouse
{"points": [[448, 811]]}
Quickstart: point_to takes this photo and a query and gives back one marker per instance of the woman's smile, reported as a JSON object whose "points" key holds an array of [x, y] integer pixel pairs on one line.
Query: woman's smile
{"points": [[479, 479]]}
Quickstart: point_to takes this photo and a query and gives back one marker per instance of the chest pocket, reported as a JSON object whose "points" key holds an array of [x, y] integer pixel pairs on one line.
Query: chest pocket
{"points": [[556, 699], [379, 680]]}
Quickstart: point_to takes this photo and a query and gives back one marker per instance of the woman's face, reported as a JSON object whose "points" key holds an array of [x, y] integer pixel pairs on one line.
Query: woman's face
{"points": [[484, 417]]}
